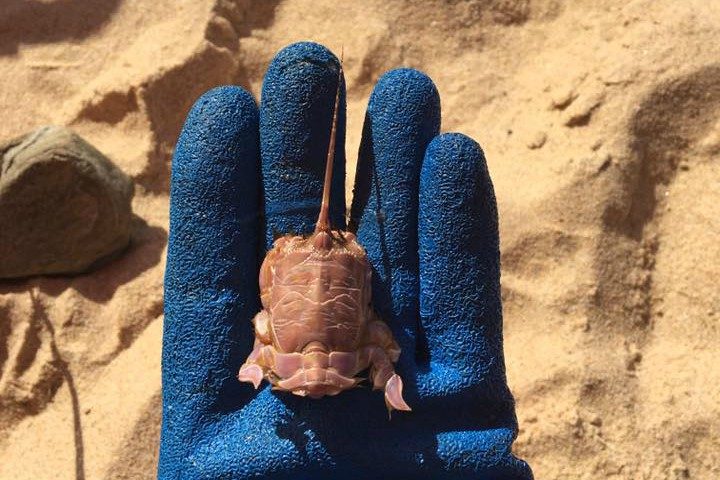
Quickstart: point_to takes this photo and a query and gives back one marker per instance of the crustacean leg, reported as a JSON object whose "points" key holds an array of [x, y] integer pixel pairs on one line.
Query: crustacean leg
{"points": [[382, 373], [255, 367], [251, 371], [380, 354]]}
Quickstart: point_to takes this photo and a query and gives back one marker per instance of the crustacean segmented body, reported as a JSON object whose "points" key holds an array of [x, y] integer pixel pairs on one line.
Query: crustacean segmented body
{"points": [[317, 329]]}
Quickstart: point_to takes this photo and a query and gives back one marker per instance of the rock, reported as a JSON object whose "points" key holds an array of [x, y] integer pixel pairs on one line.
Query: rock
{"points": [[64, 206]]}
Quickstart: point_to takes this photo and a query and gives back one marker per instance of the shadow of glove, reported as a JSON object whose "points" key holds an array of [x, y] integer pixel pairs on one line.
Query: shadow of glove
{"points": [[425, 211]]}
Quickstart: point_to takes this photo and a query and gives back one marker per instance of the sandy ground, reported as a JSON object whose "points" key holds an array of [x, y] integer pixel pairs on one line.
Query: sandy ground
{"points": [[601, 124]]}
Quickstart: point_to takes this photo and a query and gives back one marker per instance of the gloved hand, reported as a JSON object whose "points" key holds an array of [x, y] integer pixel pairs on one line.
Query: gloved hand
{"points": [[425, 211]]}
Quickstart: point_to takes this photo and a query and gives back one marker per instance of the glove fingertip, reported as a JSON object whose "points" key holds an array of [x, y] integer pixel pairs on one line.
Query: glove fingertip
{"points": [[403, 115], [459, 257], [212, 260], [408, 89], [455, 152], [458, 212], [221, 116], [455, 172], [296, 115], [215, 191]]}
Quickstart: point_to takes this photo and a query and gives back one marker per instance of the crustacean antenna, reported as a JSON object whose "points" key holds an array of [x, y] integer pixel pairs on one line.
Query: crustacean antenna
{"points": [[323, 222]]}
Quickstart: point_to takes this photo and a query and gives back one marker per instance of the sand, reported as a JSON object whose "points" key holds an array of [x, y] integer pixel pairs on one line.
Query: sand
{"points": [[601, 124]]}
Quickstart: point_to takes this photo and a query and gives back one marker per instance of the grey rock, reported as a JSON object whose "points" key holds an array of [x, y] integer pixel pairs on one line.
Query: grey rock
{"points": [[64, 206]]}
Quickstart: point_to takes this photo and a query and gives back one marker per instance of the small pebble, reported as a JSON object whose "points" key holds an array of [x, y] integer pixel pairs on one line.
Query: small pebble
{"points": [[537, 140]]}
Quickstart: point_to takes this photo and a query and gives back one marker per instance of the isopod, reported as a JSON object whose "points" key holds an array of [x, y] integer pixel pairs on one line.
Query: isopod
{"points": [[318, 330]]}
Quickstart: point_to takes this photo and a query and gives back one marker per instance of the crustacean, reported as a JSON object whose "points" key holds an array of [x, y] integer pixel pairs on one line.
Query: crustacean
{"points": [[318, 330]]}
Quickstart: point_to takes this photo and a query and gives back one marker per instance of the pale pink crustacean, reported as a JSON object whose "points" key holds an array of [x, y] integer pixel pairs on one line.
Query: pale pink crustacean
{"points": [[318, 329]]}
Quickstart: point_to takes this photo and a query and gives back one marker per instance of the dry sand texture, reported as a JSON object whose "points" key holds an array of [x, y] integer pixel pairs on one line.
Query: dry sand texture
{"points": [[601, 124]]}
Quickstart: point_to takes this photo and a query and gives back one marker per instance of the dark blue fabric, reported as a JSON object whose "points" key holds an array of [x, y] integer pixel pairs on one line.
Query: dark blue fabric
{"points": [[425, 211], [296, 113]]}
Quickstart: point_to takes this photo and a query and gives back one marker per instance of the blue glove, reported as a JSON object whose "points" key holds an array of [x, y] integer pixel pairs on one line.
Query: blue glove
{"points": [[425, 211]]}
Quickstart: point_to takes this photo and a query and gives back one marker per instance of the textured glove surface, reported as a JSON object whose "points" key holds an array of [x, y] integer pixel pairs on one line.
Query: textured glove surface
{"points": [[425, 211]]}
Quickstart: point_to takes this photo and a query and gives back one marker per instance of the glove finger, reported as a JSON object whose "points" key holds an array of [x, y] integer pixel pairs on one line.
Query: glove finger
{"points": [[460, 306], [403, 116], [211, 290], [296, 114]]}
